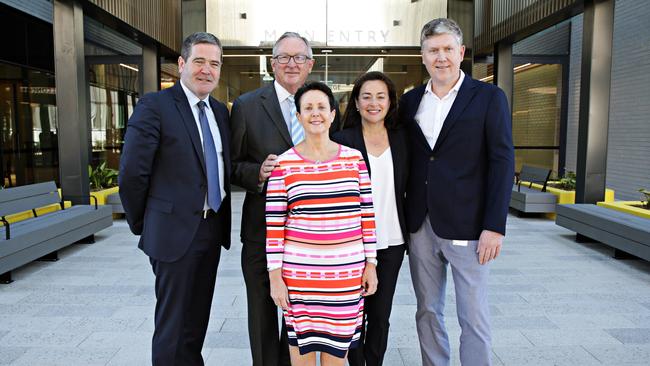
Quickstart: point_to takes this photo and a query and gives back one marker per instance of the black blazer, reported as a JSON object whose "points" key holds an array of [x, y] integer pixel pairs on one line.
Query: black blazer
{"points": [[464, 182], [162, 174], [398, 140], [258, 129]]}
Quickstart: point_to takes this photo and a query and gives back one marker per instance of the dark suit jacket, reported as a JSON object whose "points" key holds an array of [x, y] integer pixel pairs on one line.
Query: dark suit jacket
{"points": [[162, 174], [398, 140], [464, 182], [258, 129]]}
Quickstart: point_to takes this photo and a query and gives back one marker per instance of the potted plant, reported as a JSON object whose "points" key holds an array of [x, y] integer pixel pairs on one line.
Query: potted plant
{"points": [[645, 202], [102, 177], [567, 182], [103, 185]]}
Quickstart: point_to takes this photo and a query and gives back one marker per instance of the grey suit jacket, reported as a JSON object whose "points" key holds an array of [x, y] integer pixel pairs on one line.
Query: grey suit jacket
{"points": [[258, 129]]}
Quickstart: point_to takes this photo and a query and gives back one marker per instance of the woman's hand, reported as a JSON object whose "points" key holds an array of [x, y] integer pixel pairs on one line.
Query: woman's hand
{"points": [[279, 291], [369, 280]]}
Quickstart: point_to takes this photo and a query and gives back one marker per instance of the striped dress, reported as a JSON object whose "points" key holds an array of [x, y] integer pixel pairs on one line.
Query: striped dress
{"points": [[320, 230]]}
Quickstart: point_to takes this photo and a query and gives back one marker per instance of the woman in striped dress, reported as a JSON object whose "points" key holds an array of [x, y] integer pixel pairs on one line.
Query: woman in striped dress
{"points": [[320, 240]]}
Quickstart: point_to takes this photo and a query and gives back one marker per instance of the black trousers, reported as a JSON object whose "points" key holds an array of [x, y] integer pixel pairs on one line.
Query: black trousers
{"points": [[374, 336], [269, 345], [184, 292]]}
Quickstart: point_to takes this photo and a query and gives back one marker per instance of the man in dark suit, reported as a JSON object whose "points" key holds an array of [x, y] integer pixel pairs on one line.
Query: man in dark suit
{"points": [[462, 166], [264, 125], [175, 189]]}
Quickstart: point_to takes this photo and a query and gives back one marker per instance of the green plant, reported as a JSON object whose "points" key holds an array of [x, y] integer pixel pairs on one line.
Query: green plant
{"points": [[568, 182], [646, 195], [102, 177]]}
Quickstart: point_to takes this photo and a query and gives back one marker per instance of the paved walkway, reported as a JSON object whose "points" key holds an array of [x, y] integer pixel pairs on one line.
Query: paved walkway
{"points": [[553, 302]]}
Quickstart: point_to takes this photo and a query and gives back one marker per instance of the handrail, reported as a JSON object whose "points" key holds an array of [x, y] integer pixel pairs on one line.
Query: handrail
{"points": [[6, 224], [86, 196]]}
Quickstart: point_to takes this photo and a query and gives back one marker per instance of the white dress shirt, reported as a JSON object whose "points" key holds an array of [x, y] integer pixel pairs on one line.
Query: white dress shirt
{"points": [[285, 103], [216, 136], [389, 232], [432, 111]]}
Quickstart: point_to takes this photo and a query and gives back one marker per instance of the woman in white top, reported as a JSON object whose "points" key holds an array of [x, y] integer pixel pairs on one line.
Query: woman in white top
{"points": [[370, 125]]}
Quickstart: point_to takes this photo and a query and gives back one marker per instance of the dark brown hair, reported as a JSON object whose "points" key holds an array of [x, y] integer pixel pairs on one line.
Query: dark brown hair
{"points": [[352, 117]]}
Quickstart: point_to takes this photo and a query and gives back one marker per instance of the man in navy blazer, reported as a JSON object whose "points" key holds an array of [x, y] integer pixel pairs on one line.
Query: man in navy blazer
{"points": [[175, 189], [462, 166]]}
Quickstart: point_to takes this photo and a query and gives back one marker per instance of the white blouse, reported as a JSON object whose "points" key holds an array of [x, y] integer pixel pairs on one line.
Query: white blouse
{"points": [[388, 230]]}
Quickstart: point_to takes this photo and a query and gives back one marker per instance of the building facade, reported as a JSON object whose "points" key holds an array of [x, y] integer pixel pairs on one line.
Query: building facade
{"points": [[71, 72]]}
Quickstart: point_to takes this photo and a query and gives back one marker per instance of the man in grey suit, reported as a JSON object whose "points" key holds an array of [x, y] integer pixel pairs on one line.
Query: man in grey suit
{"points": [[462, 165], [264, 125]]}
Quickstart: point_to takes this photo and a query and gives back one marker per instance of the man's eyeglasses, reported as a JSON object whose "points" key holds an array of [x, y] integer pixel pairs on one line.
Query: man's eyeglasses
{"points": [[284, 59]]}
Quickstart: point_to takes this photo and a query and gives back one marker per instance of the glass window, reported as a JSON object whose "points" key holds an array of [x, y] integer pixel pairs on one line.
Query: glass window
{"points": [[28, 124], [536, 115]]}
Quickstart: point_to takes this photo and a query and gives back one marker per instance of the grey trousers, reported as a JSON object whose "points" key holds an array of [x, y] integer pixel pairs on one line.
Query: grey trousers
{"points": [[428, 259]]}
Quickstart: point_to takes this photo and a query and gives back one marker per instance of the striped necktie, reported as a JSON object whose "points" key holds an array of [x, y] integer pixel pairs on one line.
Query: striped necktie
{"points": [[297, 132], [211, 160]]}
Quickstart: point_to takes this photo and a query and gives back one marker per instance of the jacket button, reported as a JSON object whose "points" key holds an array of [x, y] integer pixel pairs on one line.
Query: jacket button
{"points": [[432, 158], [426, 182]]}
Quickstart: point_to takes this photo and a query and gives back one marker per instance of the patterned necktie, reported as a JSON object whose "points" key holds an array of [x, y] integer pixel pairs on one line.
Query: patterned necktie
{"points": [[297, 132], [211, 161]]}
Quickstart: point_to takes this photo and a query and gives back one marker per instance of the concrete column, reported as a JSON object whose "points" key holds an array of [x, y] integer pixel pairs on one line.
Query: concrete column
{"points": [[593, 118], [149, 70], [72, 97], [503, 74]]}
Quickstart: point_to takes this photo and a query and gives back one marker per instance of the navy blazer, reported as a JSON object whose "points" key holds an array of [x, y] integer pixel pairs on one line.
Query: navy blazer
{"points": [[162, 174], [398, 141], [464, 182]]}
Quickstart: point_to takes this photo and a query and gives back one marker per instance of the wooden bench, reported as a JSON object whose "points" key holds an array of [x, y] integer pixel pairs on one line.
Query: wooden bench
{"points": [[39, 236], [526, 199], [619, 230]]}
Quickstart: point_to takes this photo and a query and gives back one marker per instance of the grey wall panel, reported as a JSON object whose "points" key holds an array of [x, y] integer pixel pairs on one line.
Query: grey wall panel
{"points": [[159, 19], [496, 20], [628, 158], [42, 9], [94, 31], [552, 41], [575, 61], [108, 38]]}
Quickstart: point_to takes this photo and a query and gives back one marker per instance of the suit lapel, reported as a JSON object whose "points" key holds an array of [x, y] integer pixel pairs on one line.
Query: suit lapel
{"points": [[187, 117], [465, 95], [396, 147], [272, 108], [412, 108], [357, 140]]}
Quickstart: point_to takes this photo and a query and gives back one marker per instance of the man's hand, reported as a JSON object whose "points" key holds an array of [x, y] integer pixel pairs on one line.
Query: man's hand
{"points": [[279, 291], [369, 280], [267, 167], [489, 246]]}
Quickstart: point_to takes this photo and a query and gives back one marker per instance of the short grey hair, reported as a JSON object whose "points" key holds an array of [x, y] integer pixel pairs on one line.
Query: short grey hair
{"points": [[441, 26], [310, 53], [197, 38]]}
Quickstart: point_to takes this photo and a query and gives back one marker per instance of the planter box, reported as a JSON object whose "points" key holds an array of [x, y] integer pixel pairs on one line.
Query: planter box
{"points": [[627, 207], [567, 197], [115, 201], [102, 194], [570, 196], [109, 197]]}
